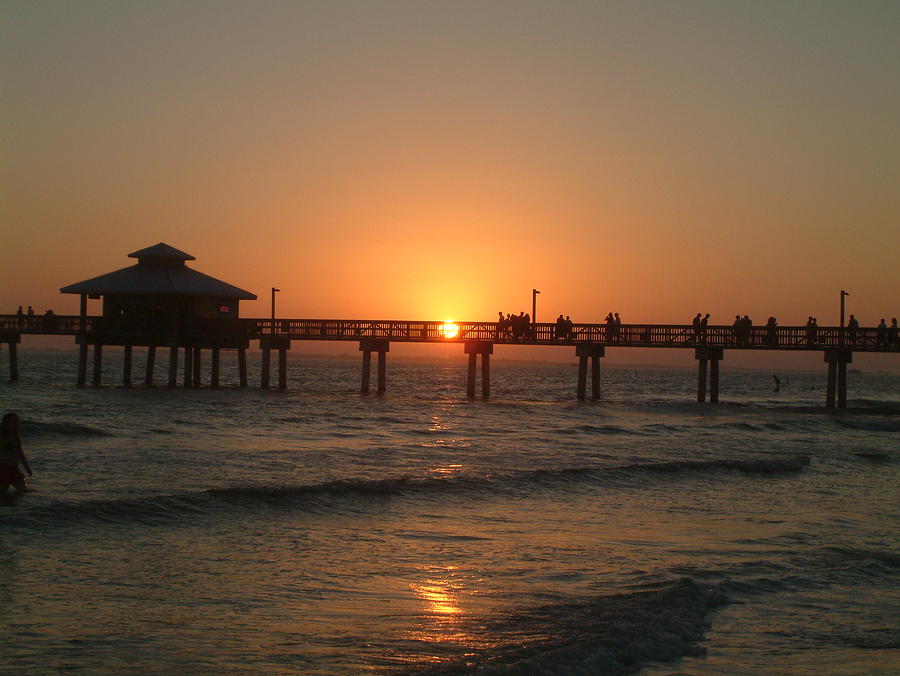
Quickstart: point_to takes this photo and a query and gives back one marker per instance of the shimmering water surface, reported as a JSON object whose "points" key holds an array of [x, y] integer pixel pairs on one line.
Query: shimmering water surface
{"points": [[318, 531]]}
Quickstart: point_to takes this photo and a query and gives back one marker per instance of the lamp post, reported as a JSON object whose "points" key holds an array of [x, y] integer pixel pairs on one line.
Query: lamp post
{"points": [[274, 291], [843, 295], [534, 293]]}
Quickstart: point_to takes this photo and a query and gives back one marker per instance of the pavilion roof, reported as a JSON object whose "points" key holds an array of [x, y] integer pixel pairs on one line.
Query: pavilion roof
{"points": [[160, 271]]}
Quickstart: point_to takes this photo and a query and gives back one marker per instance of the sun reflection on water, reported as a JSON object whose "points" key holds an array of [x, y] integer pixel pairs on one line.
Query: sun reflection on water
{"points": [[444, 595]]}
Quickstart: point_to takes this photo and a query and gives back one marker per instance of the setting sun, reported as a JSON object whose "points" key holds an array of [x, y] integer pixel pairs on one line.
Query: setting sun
{"points": [[450, 329]]}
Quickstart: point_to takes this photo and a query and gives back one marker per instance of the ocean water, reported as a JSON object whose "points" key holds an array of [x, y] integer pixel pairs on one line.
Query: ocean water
{"points": [[317, 531]]}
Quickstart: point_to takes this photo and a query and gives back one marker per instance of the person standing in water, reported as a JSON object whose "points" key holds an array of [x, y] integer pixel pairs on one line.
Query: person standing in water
{"points": [[11, 455]]}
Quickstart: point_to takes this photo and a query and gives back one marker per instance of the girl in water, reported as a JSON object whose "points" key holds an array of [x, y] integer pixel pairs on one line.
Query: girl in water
{"points": [[11, 455]]}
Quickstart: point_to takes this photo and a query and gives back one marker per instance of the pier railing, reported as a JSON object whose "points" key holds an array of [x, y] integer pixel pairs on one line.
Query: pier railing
{"points": [[869, 339]]}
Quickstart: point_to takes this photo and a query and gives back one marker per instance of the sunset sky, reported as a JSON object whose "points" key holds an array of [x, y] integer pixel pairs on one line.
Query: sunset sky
{"points": [[427, 160]]}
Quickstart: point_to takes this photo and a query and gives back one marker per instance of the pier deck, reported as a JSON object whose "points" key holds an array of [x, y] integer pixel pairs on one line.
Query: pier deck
{"points": [[479, 338]]}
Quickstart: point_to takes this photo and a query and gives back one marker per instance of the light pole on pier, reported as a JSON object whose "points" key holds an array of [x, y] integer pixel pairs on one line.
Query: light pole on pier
{"points": [[274, 291], [843, 295], [534, 294]]}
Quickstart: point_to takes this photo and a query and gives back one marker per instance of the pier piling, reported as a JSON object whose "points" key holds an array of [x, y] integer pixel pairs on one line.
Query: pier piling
{"points": [[595, 352], [11, 340], [188, 367], [708, 359], [98, 363], [267, 344], [214, 369], [837, 361], [126, 365], [473, 348], [151, 363], [367, 346], [173, 366]]}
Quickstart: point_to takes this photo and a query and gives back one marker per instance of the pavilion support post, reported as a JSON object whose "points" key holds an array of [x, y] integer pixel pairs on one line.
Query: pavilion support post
{"points": [[127, 355], [151, 364], [82, 363], [188, 367], [837, 376], [267, 344], [242, 366], [367, 346], [595, 353], [198, 359], [173, 366], [98, 363], [214, 369], [473, 348]]}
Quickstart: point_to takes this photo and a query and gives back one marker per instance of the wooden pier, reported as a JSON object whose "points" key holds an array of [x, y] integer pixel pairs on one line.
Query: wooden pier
{"points": [[590, 342]]}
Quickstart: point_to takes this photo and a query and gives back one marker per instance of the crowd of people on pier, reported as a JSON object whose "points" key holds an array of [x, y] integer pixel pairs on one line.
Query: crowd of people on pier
{"points": [[515, 327], [520, 327]]}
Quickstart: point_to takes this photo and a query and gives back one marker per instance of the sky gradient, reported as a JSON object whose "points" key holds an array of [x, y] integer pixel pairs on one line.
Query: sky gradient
{"points": [[433, 160]]}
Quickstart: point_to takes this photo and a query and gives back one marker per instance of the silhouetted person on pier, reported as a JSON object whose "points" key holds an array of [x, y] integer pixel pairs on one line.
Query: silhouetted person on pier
{"points": [[811, 330], [560, 328], [703, 324], [20, 317], [881, 335], [30, 321], [892, 334], [747, 325], [520, 326], [617, 327], [696, 325], [569, 326], [852, 330], [11, 455], [501, 325], [50, 321], [610, 327], [772, 331]]}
